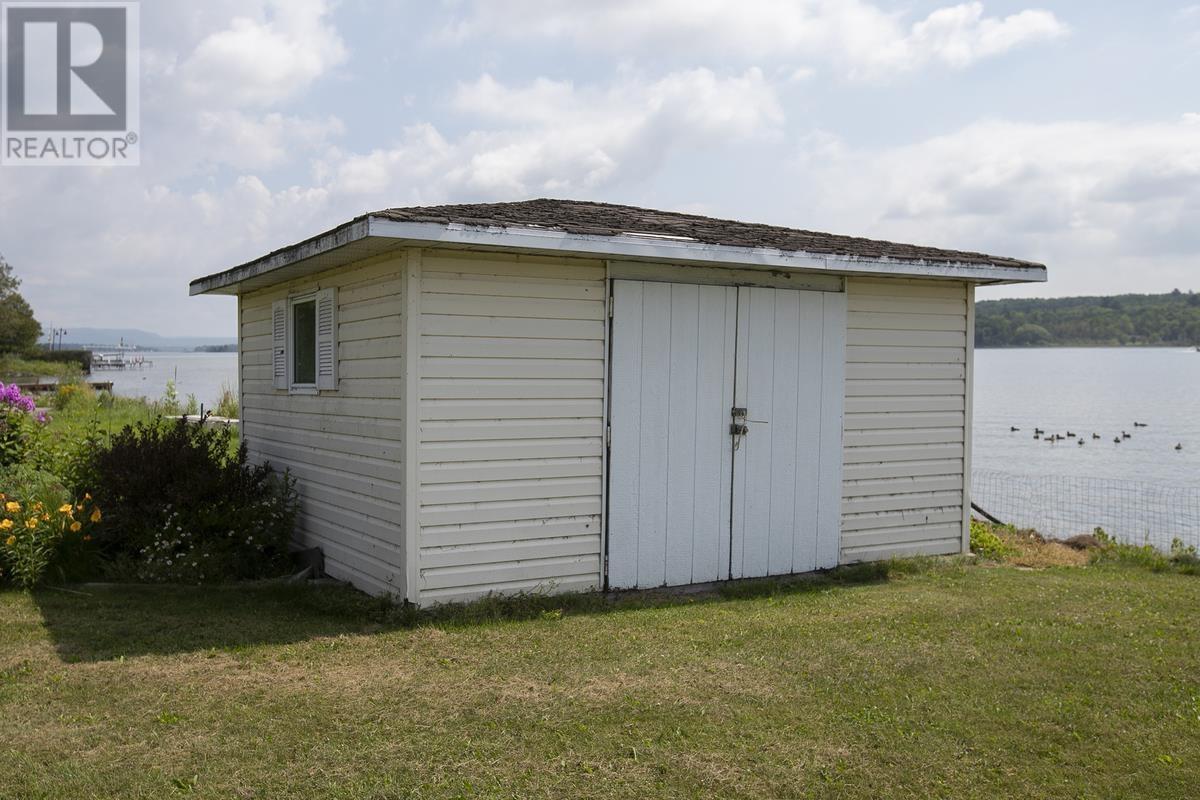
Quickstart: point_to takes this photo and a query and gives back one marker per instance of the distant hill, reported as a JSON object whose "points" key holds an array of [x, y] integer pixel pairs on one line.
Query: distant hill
{"points": [[1126, 319], [85, 338]]}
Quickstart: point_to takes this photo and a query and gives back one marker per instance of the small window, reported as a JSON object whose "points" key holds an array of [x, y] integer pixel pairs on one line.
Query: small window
{"points": [[304, 343]]}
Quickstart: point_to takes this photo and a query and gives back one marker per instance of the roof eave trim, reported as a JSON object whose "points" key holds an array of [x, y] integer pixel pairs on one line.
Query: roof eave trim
{"points": [[549, 239], [321, 244], [621, 246]]}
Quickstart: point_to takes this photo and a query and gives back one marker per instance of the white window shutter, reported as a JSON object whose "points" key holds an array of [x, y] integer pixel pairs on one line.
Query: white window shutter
{"points": [[327, 339], [279, 343]]}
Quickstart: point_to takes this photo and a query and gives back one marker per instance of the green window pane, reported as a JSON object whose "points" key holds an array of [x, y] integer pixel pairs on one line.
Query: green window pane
{"points": [[304, 342]]}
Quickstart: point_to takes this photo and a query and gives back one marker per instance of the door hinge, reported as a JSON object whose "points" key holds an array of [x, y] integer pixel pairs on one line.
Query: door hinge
{"points": [[608, 435], [610, 306]]}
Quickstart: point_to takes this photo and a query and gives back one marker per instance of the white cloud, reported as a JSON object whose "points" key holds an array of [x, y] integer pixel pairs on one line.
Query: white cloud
{"points": [[550, 136], [1096, 201], [265, 59], [960, 35], [245, 141], [856, 36]]}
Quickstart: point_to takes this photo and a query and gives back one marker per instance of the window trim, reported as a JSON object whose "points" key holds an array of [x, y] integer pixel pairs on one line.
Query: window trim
{"points": [[293, 387]]}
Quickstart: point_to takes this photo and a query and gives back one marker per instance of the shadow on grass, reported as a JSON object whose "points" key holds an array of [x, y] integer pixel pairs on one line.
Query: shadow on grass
{"points": [[100, 623]]}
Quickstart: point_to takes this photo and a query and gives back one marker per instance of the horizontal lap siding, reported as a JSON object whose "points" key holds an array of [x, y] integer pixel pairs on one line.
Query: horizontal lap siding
{"points": [[512, 424], [343, 447], [905, 422]]}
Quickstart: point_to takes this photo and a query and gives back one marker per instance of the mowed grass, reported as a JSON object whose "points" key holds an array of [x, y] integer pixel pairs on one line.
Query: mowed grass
{"points": [[948, 681]]}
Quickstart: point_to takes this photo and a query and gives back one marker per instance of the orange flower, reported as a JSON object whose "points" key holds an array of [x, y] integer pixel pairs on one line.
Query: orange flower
{"points": [[75, 526]]}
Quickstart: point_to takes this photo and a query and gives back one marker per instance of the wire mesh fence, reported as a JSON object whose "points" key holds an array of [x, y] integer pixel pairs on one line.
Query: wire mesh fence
{"points": [[1061, 506]]}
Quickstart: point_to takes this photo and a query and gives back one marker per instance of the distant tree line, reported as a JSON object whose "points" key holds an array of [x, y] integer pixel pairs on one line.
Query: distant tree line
{"points": [[1127, 319]]}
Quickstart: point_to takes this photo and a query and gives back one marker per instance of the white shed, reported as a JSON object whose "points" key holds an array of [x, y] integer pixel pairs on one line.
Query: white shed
{"points": [[556, 395]]}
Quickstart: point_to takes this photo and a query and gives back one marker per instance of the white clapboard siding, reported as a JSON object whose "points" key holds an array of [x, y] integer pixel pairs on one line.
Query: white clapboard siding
{"points": [[905, 429], [511, 390], [344, 446]]}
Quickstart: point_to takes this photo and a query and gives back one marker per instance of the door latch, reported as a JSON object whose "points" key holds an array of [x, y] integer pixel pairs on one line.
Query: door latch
{"points": [[738, 428]]}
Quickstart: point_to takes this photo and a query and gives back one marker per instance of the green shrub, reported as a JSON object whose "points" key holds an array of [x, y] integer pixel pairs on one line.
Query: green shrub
{"points": [[40, 524], [168, 405], [72, 392], [227, 406], [20, 424], [183, 505], [986, 544], [1181, 558]]}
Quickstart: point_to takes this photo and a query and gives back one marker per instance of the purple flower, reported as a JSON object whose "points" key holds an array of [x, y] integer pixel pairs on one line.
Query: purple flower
{"points": [[11, 396]]}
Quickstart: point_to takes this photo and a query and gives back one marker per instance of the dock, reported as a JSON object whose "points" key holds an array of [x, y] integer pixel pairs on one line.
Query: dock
{"points": [[121, 360], [44, 387]]}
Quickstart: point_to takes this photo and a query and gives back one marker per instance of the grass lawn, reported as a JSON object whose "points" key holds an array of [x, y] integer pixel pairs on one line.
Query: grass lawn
{"points": [[14, 369], [944, 681]]}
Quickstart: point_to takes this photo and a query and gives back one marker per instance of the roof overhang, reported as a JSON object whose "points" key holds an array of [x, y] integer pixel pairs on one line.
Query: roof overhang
{"points": [[370, 236]]}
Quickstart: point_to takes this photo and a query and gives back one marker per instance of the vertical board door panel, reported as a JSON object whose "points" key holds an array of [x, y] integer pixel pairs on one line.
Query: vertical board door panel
{"points": [[685, 504], [672, 387], [787, 483]]}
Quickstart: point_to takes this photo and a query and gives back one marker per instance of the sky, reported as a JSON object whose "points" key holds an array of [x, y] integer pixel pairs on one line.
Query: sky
{"points": [[1061, 132]]}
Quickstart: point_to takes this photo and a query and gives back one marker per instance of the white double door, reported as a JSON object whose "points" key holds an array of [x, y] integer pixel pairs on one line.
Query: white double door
{"points": [[726, 418]]}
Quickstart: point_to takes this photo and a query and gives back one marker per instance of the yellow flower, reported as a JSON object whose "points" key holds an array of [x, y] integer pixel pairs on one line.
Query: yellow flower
{"points": [[38, 506], [87, 496], [65, 508], [31, 523], [6, 524], [12, 506], [75, 526], [95, 515], [10, 541]]}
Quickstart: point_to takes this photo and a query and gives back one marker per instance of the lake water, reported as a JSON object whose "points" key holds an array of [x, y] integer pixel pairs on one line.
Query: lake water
{"points": [[201, 374], [1142, 488]]}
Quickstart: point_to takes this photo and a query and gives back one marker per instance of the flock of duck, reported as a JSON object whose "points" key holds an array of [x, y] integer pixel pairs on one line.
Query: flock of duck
{"points": [[1054, 438]]}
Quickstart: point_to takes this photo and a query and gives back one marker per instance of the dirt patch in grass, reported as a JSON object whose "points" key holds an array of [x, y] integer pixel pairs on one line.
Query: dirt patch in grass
{"points": [[1033, 550], [1025, 547]]}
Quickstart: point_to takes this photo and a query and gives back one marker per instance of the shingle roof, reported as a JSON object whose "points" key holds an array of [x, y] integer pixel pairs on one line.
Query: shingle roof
{"points": [[605, 219]]}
